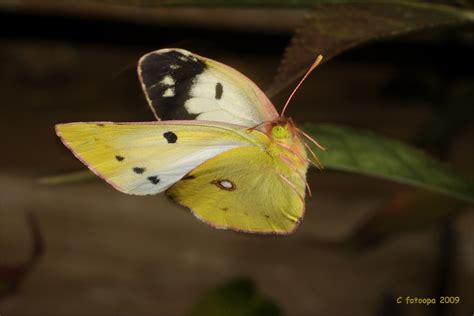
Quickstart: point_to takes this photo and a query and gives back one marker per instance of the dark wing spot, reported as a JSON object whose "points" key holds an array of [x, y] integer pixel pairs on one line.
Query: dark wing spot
{"points": [[119, 158], [225, 209], [154, 179], [139, 170], [100, 124], [267, 216], [170, 137], [219, 90]]}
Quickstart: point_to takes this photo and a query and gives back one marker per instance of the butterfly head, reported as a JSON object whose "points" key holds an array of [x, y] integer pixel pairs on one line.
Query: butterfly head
{"points": [[290, 141], [286, 139], [282, 129]]}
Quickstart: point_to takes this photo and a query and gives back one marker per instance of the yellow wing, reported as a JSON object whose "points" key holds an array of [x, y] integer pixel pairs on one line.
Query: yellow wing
{"points": [[147, 158], [244, 189]]}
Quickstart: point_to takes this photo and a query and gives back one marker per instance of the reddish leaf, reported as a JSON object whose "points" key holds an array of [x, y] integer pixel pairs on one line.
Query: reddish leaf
{"points": [[332, 28]]}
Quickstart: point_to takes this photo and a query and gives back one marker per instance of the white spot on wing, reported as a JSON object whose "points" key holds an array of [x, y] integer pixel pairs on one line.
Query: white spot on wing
{"points": [[183, 58], [168, 93], [175, 66], [168, 81], [226, 184]]}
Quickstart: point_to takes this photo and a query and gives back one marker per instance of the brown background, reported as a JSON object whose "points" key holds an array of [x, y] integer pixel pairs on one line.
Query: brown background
{"points": [[107, 253]]}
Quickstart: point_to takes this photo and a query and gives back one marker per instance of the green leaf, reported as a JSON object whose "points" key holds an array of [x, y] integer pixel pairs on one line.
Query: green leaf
{"points": [[364, 152], [332, 28], [238, 297]]}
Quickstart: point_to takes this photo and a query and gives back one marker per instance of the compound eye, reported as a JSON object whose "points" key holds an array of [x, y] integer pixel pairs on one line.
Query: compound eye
{"points": [[279, 131]]}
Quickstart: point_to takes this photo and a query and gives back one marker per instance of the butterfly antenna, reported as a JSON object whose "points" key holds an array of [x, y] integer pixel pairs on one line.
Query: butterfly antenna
{"points": [[314, 65]]}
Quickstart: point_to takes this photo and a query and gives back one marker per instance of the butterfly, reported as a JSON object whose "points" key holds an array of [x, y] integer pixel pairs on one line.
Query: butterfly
{"points": [[218, 146]]}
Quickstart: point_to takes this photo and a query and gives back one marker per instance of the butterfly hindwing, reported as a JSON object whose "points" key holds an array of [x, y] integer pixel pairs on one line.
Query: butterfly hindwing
{"points": [[242, 189], [180, 85], [147, 158]]}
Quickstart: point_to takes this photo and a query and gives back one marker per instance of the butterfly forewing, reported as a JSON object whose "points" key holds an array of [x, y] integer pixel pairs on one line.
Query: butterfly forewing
{"points": [[180, 85], [147, 158]]}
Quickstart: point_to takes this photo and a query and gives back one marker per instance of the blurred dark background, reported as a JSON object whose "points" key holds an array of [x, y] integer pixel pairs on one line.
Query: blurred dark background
{"points": [[106, 253]]}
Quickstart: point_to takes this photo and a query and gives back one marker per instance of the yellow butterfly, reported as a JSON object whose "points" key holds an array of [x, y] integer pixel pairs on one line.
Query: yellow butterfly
{"points": [[218, 146]]}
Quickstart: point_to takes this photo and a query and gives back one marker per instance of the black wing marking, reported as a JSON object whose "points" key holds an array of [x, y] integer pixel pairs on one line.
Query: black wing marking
{"points": [[167, 77]]}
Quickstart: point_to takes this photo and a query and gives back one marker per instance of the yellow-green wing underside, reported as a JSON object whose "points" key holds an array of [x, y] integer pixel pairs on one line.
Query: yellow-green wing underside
{"points": [[241, 189]]}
